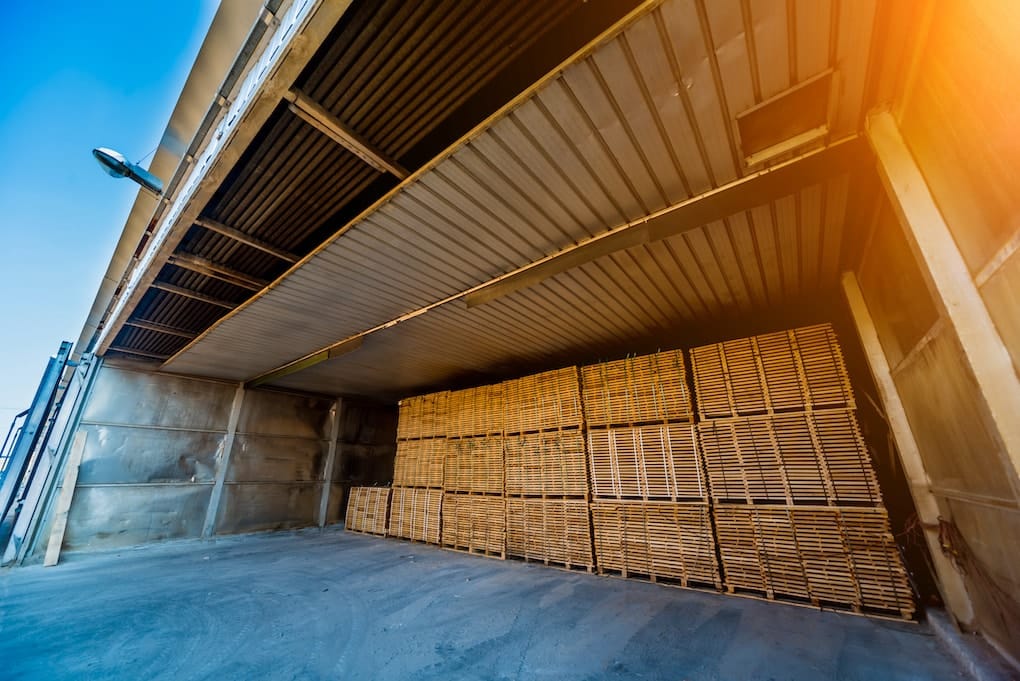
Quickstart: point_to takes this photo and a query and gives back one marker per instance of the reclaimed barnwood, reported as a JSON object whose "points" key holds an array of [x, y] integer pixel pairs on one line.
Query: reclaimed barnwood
{"points": [[546, 463], [415, 514], [649, 462], [636, 390], [659, 539], [367, 508], [549, 530]]}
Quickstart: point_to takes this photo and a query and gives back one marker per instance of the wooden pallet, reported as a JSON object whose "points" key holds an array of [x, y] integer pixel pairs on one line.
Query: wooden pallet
{"points": [[476, 411], [636, 390], [474, 465], [423, 416], [419, 463], [475, 523], [546, 401], [821, 554], [551, 463], [415, 514], [648, 462], [790, 370], [549, 530], [796, 457], [367, 508], [663, 538]]}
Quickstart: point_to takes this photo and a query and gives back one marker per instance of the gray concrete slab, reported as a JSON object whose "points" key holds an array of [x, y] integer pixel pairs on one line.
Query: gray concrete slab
{"points": [[337, 605]]}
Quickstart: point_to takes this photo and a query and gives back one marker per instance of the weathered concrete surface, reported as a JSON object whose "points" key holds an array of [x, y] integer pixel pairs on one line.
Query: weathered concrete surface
{"points": [[342, 606]]}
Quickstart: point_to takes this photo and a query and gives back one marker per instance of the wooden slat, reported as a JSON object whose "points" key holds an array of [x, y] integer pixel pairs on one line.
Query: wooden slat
{"points": [[419, 463], [649, 462], [549, 463], [545, 401], [556, 530], [415, 514], [656, 538], [367, 508], [636, 390], [476, 411], [474, 464], [423, 416], [475, 523], [64, 501]]}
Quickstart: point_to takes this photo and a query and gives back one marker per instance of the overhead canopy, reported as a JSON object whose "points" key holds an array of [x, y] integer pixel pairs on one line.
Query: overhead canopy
{"points": [[349, 252]]}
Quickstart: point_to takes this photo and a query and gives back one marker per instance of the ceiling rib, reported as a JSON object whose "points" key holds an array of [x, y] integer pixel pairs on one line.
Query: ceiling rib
{"points": [[204, 266], [246, 239], [139, 353], [160, 328], [331, 126], [734, 197], [194, 295]]}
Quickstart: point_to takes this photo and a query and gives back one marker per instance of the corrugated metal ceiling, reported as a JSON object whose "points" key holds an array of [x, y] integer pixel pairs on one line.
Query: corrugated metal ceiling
{"points": [[642, 122]]}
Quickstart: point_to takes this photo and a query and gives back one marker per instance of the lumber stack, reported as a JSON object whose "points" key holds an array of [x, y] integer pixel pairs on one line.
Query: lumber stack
{"points": [[422, 445], [649, 511], [415, 514], [545, 401], [546, 470], [789, 474], [475, 523], [474, 464], [366, 509], [475, 411]]}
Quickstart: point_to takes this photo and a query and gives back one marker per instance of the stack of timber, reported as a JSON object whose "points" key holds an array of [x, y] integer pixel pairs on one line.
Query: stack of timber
{"points": [[474, 465], [546, 401], [366, 510], [546, 472], [422, 445], [475, 411], [796, 504], [650, 510], [475, 523], [415, 514]]}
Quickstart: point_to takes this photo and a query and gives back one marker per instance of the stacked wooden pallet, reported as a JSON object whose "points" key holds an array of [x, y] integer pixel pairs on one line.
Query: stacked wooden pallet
{"points": [[549, 530], [546, 401], [475, 523], [790, 476], [422, 446], [474, 464], [658, 539], [366, 509], [546, 464], [415, 514], [790, 370], [649, 512], [476, 411]]}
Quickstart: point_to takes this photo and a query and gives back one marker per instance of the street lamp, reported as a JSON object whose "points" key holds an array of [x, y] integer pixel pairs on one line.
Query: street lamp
{"points": [[116, 165]]}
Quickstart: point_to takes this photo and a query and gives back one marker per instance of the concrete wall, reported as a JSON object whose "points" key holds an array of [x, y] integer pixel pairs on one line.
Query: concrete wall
{"points": [[156, 445], [959, 121]]}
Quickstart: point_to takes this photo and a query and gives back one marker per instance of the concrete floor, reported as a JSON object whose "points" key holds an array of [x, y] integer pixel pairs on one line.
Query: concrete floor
{"points": [[344, 606]]}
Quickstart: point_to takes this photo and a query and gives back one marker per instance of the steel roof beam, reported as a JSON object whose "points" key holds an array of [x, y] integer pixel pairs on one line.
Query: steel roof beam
{"points": [[194, 295], [246, 239], [139, 353], [208, 268], [331, 126], [160, 328]]}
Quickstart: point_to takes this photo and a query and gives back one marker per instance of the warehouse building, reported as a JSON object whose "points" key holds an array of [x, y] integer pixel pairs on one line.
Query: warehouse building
{"points": [[721, 295]]}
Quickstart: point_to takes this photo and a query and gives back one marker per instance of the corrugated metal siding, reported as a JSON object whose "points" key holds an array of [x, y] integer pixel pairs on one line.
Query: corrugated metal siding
{"points": [[642, 122]]}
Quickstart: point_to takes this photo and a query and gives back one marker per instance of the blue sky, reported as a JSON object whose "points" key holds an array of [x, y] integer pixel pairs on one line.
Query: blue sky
{"points": [[76, 75]]}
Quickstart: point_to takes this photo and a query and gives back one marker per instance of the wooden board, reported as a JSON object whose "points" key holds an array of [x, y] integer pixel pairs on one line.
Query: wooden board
{"points": [[475, 523], [423, 416], [476, 411], [546, 401], [549, 530], [367, 508], [656, 538], [59, 525], [415, 514], [790, 370], [636, 390], [791, 458], [649, 462], [548, 463], [842, 556], [419, 463], [474, 464]]}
